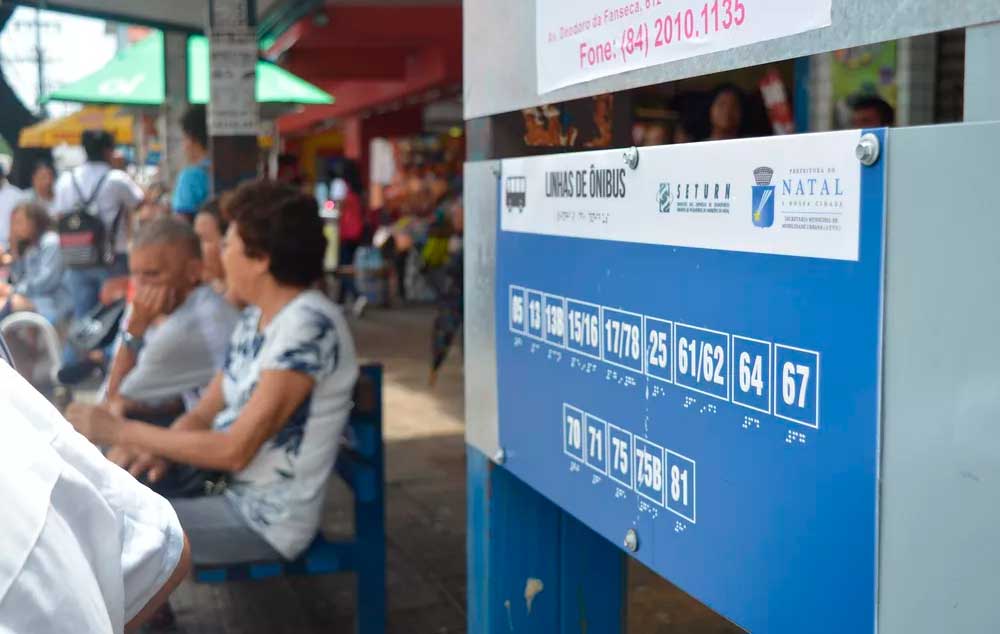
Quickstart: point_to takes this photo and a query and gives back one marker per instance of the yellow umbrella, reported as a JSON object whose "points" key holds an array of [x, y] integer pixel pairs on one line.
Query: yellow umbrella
{"points": [[70, 128]]}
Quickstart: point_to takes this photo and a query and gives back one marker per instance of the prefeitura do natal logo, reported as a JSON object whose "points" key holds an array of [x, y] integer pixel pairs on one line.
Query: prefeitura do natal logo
{"points": [[763, 197], [515, 193], [664, 198]]}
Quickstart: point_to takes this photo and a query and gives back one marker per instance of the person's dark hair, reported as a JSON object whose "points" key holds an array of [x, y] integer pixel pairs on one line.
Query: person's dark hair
{"points": [[168, 230], [97, 144], [730, 88], [886, 113], [38, 218], [193, 123], [213, 207], [349, 171], [42, 163], [281, 223]]}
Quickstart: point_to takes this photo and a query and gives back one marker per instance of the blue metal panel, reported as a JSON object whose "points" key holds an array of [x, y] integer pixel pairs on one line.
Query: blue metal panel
{"points": [[525, 546], [477, 505], [532, 568], [592, 577], [748, 504]]}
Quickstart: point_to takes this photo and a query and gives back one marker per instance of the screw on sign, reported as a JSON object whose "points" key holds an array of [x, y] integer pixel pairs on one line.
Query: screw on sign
{"points": [[631, 540]]}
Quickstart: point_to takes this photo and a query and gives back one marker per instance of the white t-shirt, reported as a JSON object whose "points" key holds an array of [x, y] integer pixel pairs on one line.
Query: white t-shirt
{"points": [[84, 545], [118, 192], [280, 493], [10, 197]]}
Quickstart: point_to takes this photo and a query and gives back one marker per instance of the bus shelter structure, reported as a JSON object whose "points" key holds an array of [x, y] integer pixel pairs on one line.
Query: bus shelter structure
{"points": [[765, 368]]}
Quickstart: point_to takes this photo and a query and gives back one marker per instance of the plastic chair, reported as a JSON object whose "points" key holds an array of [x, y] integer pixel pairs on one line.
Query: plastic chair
{"points": [[15, 322]]}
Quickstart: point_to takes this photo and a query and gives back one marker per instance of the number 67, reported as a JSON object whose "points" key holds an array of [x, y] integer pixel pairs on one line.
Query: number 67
{"points": [[788, 372]]}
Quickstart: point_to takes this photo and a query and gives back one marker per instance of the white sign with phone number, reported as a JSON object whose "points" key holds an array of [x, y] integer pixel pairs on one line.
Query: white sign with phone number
{"points": [[587, 39]]}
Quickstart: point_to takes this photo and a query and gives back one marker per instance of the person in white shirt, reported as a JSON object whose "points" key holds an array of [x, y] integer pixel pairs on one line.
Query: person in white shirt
{"points": [[10, 197], [116, 196], [86, 548], [273, 417]]}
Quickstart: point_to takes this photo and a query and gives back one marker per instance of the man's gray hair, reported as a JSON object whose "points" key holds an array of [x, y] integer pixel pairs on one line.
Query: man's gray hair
{"points": [[168, 230]]}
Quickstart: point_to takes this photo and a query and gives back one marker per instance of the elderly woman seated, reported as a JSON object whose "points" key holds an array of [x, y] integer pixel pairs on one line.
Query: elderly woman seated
{"points": [[273, 416]]}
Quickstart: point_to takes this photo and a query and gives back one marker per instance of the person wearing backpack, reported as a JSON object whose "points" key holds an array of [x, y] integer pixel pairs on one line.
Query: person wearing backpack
{"points": [[93, 205]]}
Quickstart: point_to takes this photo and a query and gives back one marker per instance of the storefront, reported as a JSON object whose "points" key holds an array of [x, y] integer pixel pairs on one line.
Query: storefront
{"points": [[390, 67]]}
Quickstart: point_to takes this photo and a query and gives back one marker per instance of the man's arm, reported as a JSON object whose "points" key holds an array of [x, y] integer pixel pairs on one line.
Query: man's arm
{"points": [[161, 596], [138, 461], [278, 394]]}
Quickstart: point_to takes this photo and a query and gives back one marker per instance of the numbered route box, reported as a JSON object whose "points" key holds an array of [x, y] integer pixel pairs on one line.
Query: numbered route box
{"points": [[596, 439], [518, 311], [659, 344], [535, 324], [572, 425], [701, 360], [620, 455], [622, 343], [752, 370], [680, 494], [796, 379], [583, 328], [554, 310], [648, 470]]}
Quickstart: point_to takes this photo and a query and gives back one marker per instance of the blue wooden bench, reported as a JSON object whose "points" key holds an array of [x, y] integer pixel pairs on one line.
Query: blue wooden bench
{"points": [[361, 463]]}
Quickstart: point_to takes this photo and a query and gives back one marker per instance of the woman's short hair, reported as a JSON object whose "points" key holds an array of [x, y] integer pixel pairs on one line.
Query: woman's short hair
{"points": [[37, 216], [279, 222]]}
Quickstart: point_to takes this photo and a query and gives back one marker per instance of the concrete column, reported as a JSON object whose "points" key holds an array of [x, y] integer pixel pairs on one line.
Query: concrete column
{"points": [[233, 113], [982, 90], [175, 74], [821, 93], [916, 77]]}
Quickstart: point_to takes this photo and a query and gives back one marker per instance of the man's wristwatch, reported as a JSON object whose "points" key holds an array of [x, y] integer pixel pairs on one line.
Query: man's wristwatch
{"points": [[132, 342]]}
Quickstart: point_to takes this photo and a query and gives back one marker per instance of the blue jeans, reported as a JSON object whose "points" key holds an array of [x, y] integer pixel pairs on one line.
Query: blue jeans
{"points": [[85, 287]]}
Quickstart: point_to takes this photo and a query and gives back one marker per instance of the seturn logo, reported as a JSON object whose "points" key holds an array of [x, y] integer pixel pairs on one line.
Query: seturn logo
{"points": [[664, 198], [763, 197]]}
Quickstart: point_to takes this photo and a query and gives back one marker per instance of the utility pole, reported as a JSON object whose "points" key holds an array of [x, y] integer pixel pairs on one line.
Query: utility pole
{"points": [[43, 110]]}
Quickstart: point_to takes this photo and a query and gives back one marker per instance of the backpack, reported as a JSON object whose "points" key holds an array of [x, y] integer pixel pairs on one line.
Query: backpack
{"points": [[84, 240]]}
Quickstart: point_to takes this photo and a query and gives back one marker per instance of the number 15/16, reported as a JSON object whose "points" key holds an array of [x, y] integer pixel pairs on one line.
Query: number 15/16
{"points": [[583, 328]]}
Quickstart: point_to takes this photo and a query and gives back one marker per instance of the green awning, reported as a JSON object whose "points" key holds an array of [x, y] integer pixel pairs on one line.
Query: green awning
{"points": [[135, 77]]}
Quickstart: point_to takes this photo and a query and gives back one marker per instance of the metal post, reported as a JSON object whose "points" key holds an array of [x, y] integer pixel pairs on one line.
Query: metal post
{"points": [[43, 109], [175, 102], [982, 91], [233, 117]]}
